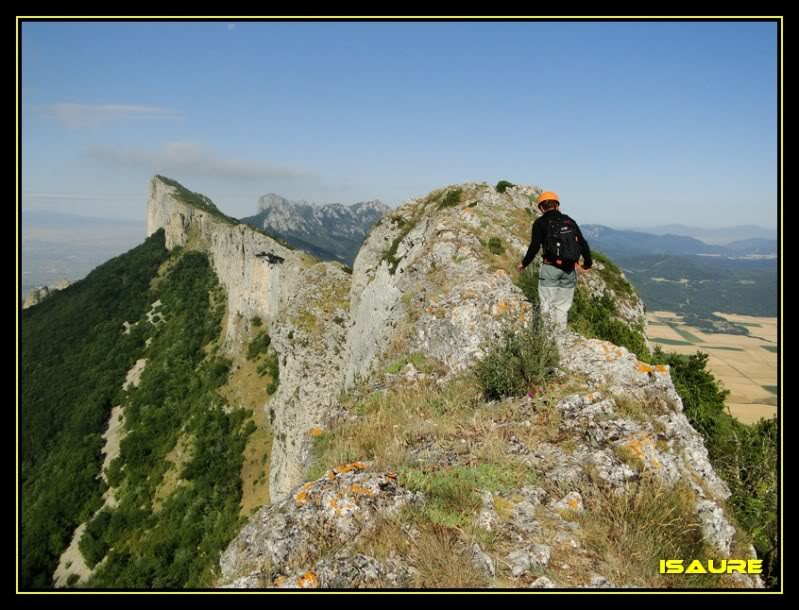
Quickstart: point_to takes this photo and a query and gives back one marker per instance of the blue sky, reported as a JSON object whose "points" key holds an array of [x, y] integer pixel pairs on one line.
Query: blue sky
{"points": [[633, 124]]}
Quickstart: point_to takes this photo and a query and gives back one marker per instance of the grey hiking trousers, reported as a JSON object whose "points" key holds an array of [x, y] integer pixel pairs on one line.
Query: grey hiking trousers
{"points": [[556, 292]]}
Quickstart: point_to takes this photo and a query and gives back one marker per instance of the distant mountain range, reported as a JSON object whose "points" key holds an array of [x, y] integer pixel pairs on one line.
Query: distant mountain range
{"points": [[681, 273], [755, 246], [332, 232], [626, 243], [717, 236]]}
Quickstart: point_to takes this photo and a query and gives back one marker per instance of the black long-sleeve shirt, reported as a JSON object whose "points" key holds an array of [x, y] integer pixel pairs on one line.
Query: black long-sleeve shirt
{"points": [[540, 227]]}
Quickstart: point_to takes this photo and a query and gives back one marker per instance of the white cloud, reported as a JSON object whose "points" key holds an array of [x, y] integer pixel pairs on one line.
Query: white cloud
{"points": [[192, 159], [84, 115]]}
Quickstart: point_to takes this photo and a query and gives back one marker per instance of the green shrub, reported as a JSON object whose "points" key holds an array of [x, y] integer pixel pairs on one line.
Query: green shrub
{"points": [[390, 254], [597, 318], [495, 246], [451, 199], [270, 366], [519, 360], [527, 280], [258, 346], [93, 544], [504, 185]]}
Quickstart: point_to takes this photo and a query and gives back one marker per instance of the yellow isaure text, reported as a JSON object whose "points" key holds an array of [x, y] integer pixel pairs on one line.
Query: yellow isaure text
{"points": [[712, 566]]}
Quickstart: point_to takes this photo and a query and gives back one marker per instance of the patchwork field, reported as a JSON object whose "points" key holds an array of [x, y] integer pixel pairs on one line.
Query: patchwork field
{"points": [[745, 365]]}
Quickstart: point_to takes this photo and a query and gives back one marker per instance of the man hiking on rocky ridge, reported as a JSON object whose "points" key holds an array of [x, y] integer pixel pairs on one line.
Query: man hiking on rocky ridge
{"points": [[563, 244]]}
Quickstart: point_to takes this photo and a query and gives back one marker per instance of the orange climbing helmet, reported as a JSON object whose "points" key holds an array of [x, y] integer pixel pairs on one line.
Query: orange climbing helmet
{"points": [[547, 196], [545, 200]]}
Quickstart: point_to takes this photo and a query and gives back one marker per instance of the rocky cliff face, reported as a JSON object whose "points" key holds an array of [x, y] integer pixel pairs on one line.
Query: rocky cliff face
{"points": [[298, 298], [368, 363]]}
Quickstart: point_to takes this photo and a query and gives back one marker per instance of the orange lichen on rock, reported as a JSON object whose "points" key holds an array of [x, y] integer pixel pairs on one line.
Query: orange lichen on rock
{"points": [[643, 367], [333, 472], [662, 368], [350, 467], [573, 503], [636, 446], [361, 490], [315, 432], [308, 581], [302, 495]]}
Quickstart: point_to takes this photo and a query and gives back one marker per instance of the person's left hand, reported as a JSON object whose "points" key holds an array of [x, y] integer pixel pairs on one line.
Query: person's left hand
{"points": [[520, 268]]}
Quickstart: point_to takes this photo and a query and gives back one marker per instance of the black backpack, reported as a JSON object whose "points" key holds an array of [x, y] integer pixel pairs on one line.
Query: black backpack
{"points": [[561, 242]]}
